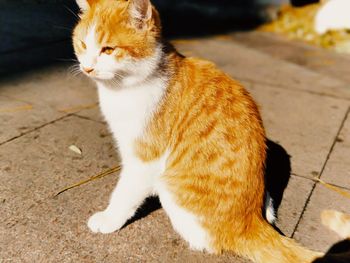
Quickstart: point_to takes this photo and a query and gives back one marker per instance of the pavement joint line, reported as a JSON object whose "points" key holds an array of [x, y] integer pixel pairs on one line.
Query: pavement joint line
{"points": [[311, 179], [76, 114], [284, 87], [35, 129], [322, 170]]}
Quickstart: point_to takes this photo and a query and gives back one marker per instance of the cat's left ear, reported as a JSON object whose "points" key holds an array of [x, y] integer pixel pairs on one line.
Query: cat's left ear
{"points": [[140, 12], [85, 4]]}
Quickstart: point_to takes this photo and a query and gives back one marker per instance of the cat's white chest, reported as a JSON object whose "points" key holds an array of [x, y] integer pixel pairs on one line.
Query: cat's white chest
{"points": [[128, 110]]}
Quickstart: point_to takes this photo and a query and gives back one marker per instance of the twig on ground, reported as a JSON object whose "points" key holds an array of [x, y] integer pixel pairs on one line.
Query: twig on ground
{"points": [[103, 174], [333, 187]]}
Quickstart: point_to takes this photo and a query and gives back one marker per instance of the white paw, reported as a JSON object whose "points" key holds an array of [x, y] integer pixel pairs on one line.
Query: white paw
{"points": [[104, 223]]}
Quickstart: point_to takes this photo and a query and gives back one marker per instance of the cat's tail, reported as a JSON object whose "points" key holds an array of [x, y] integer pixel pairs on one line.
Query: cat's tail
{"points": [[263, 244]]}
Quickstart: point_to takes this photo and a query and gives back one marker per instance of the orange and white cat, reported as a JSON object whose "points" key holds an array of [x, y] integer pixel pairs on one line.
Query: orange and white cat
{"points": [[186, 132]]}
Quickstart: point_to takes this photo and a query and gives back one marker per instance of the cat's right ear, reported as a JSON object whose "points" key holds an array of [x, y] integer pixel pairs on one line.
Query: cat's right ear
{"points": [[141, 12], [84, 4]]}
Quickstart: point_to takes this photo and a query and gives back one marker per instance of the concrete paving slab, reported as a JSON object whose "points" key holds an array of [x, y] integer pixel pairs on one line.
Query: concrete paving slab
{"points": [[248, 64], [310, 231], [293, 202], [304, 124], [337, 169], [48, 165], [18, 117], [53, 86], [315, 58]]}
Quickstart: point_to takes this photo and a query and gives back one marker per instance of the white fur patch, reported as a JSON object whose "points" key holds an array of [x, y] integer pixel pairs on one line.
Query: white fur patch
{"points": [[269, 209], [333, 15], [89, 58], [127, 111]]}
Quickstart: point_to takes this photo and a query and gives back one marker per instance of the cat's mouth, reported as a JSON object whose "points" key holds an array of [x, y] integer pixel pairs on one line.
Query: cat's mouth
{"points": [[98, 75]]}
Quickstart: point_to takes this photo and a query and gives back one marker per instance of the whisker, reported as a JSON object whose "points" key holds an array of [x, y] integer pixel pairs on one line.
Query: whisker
{"points": [[74, 67], [117, 82], [74, 70], [76, 74], [72, 12]]}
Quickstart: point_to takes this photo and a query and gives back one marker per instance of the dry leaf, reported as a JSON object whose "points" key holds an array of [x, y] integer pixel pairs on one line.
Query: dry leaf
{"points": [[334, 188], [75, 149], [98, 176]]}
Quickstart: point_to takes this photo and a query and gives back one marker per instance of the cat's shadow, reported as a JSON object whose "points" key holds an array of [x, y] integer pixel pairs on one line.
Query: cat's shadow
{"points": [[277, 172], [277, 175]]}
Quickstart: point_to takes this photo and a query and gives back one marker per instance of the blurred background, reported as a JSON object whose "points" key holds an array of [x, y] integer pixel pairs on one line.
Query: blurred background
{"points": [[37, 32]]}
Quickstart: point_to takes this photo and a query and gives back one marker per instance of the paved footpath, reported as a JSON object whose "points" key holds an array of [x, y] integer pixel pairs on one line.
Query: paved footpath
{"points": [[304, 96]]}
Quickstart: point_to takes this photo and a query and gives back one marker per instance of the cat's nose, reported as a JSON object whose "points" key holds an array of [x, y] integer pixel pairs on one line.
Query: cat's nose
{"points": [[88, 70]]}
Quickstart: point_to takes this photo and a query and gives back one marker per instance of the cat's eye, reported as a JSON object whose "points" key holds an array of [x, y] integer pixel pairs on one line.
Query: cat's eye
{"points": [[107, 50], [82, 44]]}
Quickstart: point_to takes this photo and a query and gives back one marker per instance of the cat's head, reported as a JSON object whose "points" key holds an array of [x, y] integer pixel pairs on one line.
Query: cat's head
{"points": [[114, 36]]}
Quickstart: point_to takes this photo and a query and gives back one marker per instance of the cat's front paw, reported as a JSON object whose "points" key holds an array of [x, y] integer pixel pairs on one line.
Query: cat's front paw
{"points": [[103, 222]]}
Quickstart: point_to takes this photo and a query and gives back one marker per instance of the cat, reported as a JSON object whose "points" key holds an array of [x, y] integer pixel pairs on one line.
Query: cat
{"points": [[185, 131], [333, 15]]}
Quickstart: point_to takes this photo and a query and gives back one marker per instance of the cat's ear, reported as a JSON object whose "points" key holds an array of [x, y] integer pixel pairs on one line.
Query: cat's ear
{"points": [[140, 12], [85, 4]]}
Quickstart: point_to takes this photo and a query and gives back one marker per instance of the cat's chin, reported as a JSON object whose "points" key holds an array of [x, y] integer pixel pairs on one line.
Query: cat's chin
{"points": [[102, 77]]}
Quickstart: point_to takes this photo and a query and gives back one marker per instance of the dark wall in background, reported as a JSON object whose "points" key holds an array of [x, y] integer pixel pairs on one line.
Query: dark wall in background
{"points": [[37, 32], [303, 2], [203, 17], [33, 33]]}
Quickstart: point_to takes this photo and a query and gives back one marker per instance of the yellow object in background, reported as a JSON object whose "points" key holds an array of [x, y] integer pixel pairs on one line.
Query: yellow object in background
{"points": [[298, 23]]}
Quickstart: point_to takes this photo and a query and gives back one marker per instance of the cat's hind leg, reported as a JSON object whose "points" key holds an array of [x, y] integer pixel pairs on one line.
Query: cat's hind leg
{"points": [[188, 225], [134, 186], [184, 222]]}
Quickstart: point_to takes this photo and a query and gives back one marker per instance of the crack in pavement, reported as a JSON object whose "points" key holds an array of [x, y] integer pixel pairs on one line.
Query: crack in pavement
{"points": [[322, 170]]}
